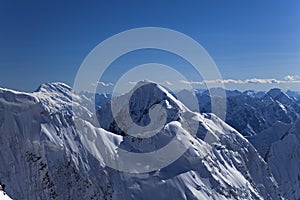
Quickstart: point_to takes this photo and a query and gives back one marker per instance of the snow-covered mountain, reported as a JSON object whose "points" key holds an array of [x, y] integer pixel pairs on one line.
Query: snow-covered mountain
{"points": [[251, 113], [53, 148], [270, 121], [280, 147]]}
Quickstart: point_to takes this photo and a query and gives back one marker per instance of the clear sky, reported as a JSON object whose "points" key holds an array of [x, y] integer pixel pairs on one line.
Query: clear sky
{"points": [[44, 41]]}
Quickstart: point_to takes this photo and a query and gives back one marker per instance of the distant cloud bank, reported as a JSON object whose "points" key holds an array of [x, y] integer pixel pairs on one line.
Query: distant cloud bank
{"points": [[292, 78], [287, 79], [102, 84]]}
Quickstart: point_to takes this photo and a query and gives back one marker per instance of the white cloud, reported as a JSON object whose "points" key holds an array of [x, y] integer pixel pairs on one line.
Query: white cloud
{"points": [[262, 81], [168, 83], [287, 79], [191, 82], [104, 84], [292, 78], [163, 83], [132, 82]]}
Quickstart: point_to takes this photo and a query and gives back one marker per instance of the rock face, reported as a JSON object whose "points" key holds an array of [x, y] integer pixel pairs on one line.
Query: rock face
{"points": [[251, 113], [50, 149]]}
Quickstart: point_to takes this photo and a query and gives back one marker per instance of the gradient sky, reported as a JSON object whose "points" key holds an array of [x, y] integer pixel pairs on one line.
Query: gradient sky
{"points": [[45, 41]]}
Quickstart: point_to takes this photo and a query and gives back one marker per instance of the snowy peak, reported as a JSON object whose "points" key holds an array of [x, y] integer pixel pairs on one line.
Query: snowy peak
{"points": [[278, 95], [55, 90], [275, 92], [57, 96], [138, 104], [253, 93], [146, 91], [54, 87]]}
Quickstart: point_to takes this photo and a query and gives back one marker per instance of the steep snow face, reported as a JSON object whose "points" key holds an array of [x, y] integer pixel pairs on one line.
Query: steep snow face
{"points": [[41, 156], [280, 145], [287, 151], [263, 141], [44, 155]]}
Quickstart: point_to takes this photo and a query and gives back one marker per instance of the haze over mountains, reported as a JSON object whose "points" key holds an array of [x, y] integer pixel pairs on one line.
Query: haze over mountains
{"points": [[48, 148]]}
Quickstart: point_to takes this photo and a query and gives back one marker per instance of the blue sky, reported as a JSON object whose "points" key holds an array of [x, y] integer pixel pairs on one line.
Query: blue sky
{"points": [[44, 41]]}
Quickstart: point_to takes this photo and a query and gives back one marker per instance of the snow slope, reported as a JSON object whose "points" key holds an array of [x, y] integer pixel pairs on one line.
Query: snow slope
{"points": [[4, 196], [51, 151], [280, 145]]}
